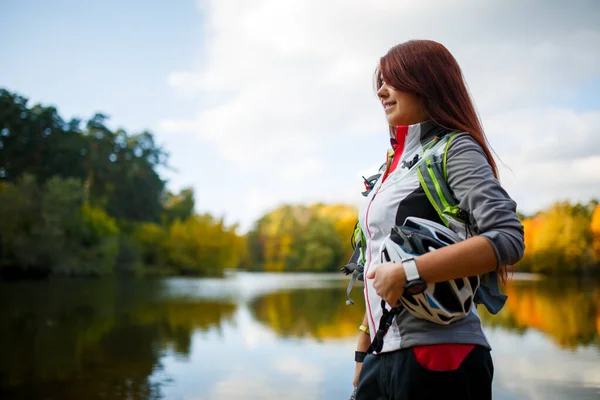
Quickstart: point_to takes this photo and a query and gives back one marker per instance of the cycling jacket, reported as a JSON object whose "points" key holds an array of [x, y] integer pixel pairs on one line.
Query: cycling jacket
{"points": [[398, 194]]}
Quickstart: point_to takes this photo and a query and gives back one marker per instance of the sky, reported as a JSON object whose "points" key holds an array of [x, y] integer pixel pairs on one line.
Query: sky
{"points": [[267, 102]]}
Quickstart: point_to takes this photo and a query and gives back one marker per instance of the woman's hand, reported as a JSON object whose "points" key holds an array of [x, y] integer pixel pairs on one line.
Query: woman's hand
{"points": [[389, 279], [357, 369], [364, 341]]}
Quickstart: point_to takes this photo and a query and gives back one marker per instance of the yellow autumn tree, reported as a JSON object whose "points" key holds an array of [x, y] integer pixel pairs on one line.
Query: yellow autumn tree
{"points": [[558, 240], [275, 230], [301, 238], [202, 245], [595, 229], [344, 219]]}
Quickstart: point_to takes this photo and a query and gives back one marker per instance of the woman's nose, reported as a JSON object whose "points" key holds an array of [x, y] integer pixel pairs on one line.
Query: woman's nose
{"points": [[382, 91]]}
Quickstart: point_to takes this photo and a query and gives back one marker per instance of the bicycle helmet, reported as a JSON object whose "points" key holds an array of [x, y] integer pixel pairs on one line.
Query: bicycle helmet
{"points": [[442, 302]]}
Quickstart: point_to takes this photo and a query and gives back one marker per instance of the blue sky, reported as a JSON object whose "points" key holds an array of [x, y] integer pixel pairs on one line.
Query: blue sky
{"points": [[270, 101], [111, 56]]}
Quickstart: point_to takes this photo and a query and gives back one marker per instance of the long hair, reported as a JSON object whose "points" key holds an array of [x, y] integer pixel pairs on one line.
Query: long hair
{"points": [[427, 69]]}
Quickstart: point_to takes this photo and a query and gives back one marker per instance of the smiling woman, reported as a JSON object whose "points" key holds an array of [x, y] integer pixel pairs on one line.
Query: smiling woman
{"points": [[401, 108], [439, 172], [413, 80]]}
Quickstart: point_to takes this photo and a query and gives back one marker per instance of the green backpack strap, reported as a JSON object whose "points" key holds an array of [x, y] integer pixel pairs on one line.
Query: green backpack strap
{"points": [[355, 265], [358, 240], [433, 176], [434, 181]]}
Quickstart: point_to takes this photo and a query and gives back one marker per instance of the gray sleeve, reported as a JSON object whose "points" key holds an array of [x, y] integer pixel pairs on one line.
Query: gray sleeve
{"points": [[491, 209]]}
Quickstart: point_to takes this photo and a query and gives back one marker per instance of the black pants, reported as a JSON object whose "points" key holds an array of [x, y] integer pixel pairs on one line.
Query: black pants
{"points": [[399, 376]]}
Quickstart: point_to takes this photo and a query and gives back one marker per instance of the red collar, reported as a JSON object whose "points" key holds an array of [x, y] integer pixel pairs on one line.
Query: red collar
{"points": [[398, 146], [398, 141]]}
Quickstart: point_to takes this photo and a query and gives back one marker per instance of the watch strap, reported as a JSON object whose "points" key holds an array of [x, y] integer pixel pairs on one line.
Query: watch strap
{"points": [[359, 356], [410, 269]]}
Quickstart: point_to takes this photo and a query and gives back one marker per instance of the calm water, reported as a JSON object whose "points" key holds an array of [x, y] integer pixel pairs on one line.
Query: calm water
{"points": [[260, 336]]}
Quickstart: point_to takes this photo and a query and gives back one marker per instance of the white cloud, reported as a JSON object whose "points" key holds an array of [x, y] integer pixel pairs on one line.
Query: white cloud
{"points": [[546, 134], [301, 370], [291, 80], [548, 155], [253, 388], [302, 170], [298, 380], [509, 75]]}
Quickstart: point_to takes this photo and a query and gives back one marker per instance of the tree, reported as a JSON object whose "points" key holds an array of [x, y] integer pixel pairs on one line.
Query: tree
{"points": [[559, 240], [595, 229], [46, 230], [118, 170], [301, 238], [178, 206], [81, 199]]}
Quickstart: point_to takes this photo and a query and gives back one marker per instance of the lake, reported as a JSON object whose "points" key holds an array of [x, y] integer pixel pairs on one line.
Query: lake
{"points": [[262, 336]]}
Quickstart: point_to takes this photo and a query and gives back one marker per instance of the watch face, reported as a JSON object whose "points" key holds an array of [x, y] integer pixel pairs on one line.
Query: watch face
{"points": [[415, 287]]}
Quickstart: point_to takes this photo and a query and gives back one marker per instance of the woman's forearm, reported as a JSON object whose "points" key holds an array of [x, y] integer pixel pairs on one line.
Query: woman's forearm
{"points": [[474, 256], [364, 340]]}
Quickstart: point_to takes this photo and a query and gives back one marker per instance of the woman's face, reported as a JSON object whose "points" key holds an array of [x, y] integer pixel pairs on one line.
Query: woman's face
{"points": [[401, 108]]}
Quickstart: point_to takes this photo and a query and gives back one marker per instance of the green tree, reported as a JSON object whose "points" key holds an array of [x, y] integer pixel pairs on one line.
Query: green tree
{"points": [[202, 245], [179, 206], [118, 170], [301, 238], [78, 198], [46, 230]]}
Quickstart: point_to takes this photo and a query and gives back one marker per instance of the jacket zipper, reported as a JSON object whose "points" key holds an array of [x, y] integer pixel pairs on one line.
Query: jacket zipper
{"points": [[387, 168]]}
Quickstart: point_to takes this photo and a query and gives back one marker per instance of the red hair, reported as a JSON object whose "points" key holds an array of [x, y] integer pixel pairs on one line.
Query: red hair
{"points": [[427, 69]]}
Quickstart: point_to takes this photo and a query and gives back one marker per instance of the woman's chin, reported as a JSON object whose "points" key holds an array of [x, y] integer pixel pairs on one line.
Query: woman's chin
{"points": [[394, 120]]}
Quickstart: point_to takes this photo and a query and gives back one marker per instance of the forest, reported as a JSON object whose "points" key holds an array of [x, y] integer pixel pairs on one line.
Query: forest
{"points": [[80, 199]]}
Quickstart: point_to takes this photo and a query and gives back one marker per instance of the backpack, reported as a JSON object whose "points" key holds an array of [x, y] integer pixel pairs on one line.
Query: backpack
{"points": [[433, 178]]}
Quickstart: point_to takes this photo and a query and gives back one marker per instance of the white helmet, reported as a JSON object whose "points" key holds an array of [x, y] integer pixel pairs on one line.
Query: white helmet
{"points": [[442, 302]]}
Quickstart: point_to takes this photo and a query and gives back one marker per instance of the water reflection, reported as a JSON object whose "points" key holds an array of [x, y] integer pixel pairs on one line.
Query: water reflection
{"points": [[81, 339], [568, 311], [260, 336], [315, 313], [530, 366]]}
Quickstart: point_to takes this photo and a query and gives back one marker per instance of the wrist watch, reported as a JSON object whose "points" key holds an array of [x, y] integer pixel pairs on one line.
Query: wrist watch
{"points": [[414, 284]]}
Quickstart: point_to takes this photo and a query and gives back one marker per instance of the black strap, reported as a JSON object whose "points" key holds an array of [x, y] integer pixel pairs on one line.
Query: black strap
{"points": [[384, 325], [354, 268], [359, 356]]}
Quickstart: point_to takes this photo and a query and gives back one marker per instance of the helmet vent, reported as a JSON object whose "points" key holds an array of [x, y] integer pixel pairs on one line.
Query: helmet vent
{"points": [[443, 302], [444, 238], [445, 295], [468, 304]]}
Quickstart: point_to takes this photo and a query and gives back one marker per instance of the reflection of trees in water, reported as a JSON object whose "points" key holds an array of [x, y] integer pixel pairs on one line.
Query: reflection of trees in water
{"points": [[104, 339], [75, 340], [317, 313], [176, 319], [568, 311]]}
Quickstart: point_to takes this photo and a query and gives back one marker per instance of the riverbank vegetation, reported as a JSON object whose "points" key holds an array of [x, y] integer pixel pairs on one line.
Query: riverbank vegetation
{"points": [[80, 199]]}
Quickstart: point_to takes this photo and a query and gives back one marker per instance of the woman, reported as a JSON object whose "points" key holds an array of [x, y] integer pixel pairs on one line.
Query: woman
{"points": [[422, 91]]}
